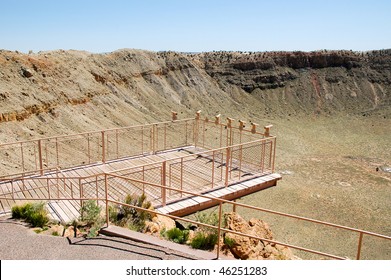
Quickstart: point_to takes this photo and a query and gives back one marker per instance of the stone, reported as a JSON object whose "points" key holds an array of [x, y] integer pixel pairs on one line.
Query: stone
{"points": [[159, 223], [27, 72], [247, 248]]}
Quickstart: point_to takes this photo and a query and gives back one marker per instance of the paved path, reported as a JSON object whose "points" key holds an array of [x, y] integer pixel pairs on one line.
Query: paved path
{"points": [[18, 242]]}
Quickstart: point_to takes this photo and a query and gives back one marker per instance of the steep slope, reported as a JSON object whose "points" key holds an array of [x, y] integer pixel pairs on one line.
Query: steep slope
{"points": [[76, 91]]}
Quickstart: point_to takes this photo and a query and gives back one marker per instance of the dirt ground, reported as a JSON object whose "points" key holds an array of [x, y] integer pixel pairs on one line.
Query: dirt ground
{"points": [[333, 170]]}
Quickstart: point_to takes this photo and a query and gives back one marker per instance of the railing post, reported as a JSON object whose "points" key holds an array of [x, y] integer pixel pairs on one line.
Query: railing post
{"points": [[155, 138], [274, 154], [359, 246], [228, 158], [116, 142], [267, 130], [213, 168], [181, 176], [197, 127], [12, 190], [174, 115], [22, 155], [81, 193], [219, 231], [88, 148], [107, 201], [163, 182], [47, 183], [103, 147], [40, 156]]}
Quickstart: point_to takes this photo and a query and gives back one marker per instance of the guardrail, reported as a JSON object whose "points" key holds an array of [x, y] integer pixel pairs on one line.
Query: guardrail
{"points": [[39, 156], [106, 190]]}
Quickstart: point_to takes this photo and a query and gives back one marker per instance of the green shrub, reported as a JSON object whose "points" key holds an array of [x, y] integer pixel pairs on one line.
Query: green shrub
{"points": [[204, 241], [129, 216], [33, 213], [211, 218], [90, 214], [229, 242], [177, 235]]}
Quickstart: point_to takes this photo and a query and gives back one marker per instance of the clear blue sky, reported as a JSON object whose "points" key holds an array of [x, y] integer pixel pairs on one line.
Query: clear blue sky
{"points": [[201, 25]]}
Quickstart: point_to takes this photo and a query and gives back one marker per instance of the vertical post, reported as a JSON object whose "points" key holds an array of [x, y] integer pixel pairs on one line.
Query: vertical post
{"points": [[263, 144], [116, 142], [254, 128], [186, 140], [142, 140], [242, 125], [57, 156], [219, 231], [163, 183], [155, 138], [234, 206], [229, 131], [274, 154], [213, 168], [197, 127], [107, 201], [217, 119], [81, 193], [88, 148], [240, 159], [267, 130], [97, 190], [40, 156], [359, 246], [174, 115], [12, 190], [143, 179], [181, 176], [22, 155], [103, 147], [165, 136], [227, 163], [47, 183], [271, 156]]}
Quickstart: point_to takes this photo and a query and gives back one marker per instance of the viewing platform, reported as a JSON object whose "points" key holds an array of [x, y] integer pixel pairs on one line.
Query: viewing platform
{"points": [[162, 160]]}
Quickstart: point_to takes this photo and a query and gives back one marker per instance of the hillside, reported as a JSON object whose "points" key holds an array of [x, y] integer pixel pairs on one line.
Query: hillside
{"points": [[73, 90]]}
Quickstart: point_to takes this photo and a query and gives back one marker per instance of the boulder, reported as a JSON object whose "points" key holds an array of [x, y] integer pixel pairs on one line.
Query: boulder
{"points": [[159, 223], [244, 248]]}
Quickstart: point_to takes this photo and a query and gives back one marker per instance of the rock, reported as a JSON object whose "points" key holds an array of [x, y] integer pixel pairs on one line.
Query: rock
{"points": [[249, 248], [27, 72], [70, 232], [159, 223]]}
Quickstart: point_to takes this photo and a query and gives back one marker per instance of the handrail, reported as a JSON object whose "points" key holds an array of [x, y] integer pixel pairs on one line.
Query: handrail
{"points": [[221, 201], [92, 132]]}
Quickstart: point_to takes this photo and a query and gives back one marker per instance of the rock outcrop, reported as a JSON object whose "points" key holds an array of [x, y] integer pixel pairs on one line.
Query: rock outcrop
{"points": [[247, 248]]}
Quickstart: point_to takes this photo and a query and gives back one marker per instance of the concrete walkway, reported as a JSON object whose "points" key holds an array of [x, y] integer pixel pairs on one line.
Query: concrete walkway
{"points": [[19, 242]]}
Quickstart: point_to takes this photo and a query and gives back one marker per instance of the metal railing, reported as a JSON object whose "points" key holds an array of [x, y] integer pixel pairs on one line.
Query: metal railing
{"points": [[106, 189], [39, 156], [33, 157], [198, 171]]}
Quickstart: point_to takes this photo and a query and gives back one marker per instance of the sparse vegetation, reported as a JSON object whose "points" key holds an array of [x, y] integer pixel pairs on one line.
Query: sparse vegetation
{"points": [[130, 217], [229, 242], [204, 241], [33, 213], [90, 214], [177, 235]]}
